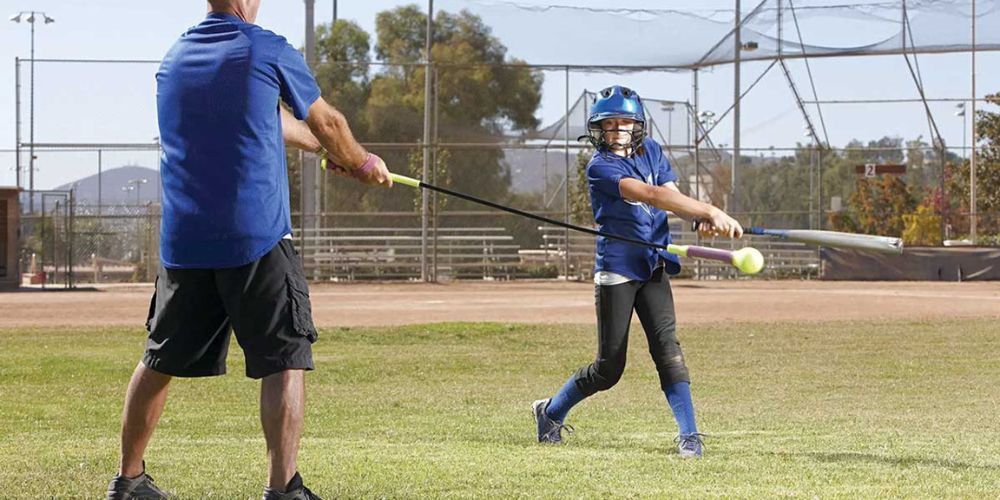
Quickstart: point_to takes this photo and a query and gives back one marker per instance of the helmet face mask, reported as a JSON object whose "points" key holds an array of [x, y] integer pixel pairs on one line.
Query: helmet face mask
{"points": [[619, 103], [619, 134]]}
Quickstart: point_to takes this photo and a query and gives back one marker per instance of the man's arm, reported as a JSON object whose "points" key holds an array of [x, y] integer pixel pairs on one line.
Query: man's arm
{"points": [[667, 198], [334, 134], [296, 133]]}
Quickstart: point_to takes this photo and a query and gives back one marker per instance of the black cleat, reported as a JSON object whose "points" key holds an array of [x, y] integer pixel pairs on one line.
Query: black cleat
{"points": [[135, 488], [549, 431], [295, 490], [689, 445]]}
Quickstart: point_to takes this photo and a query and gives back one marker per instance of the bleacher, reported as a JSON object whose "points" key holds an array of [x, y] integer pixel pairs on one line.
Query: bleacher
{"points": [[394, 253]]}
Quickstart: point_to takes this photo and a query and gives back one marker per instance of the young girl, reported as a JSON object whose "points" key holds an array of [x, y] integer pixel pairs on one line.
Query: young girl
{"points": [[631, 187]]}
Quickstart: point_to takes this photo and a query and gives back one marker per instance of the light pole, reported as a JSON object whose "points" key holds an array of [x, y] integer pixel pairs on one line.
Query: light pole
{"points": [[32, 15], [707, 120], [135, 185], [669, 108], [961, 113]]}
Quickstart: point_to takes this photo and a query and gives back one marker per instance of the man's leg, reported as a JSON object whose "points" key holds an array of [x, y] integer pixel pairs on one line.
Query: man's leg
{"points": [[144, 401], [282, 403]]}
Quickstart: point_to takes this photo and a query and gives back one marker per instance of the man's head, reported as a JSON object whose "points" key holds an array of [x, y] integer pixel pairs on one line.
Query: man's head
{"points": [[617, 121], [243, 9]]}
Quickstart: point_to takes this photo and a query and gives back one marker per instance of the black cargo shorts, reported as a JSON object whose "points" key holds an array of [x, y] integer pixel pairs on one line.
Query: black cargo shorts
{"points": [[266, 303]]}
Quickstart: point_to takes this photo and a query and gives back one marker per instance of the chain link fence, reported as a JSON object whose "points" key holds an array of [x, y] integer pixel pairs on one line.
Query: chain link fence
{"points": [[66, 244]]}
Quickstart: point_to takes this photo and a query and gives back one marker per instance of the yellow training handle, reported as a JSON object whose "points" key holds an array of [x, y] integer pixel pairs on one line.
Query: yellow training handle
{"points": [[402, 179]]}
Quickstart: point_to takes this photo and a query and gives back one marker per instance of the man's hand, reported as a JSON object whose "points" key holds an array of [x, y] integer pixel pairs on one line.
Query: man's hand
{"points": [[374, 175], [373, 172]]}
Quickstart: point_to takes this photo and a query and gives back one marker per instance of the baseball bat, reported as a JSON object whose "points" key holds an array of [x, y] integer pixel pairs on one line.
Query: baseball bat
{"points": [[832, 239]]}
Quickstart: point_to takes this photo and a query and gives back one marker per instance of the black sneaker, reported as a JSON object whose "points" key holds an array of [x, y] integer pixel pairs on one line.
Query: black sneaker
{"points": [[295, 490], [135, 488]]}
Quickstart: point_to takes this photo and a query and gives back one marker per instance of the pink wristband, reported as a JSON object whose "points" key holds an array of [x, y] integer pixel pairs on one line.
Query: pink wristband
{"points": [[367, 165], [362, 170]]}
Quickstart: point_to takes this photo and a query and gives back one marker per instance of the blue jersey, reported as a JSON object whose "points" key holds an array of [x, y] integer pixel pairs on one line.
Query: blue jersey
{"points": [[225, 182], [631, 219]]}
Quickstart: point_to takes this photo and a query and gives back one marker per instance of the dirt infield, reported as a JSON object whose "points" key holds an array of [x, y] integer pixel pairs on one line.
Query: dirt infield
{"points": [[544, 302]]}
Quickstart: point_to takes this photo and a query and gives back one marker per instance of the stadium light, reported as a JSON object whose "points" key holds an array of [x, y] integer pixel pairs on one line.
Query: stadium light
{"points": [[31, 113], [135, 185], [706, 118]]}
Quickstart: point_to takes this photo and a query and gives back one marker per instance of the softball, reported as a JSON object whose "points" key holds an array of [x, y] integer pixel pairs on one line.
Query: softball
{"points": [[748, 260]]}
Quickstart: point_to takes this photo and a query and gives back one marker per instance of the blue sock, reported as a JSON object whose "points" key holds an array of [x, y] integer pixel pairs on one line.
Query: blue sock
{"points": [[566, 398], [679, 397]]}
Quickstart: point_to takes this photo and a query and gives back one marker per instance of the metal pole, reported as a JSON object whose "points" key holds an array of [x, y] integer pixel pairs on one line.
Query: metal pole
{"points": [[819, 174], [334, 16], [973, 222], [670, 127], [100, 181], [17, 120], [310, 167], [69, 237], [159, 169], [965, 137], [43, 242], [812, 191], [697, 159], [55, 246], [434, 195], [566, 174], [100, 201], [734, 193], [425, 173], [302, 202], [31, 126]]}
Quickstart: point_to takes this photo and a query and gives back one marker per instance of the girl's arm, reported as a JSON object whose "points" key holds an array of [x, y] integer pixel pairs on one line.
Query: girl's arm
{"points": [[671, 199]]}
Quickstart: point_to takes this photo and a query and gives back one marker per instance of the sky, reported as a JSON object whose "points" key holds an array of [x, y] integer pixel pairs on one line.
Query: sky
{"points": [[114, 103]]}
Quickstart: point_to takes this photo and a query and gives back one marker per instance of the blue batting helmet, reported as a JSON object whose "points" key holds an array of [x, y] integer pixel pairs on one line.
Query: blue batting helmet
{"points": [[616, 102]]}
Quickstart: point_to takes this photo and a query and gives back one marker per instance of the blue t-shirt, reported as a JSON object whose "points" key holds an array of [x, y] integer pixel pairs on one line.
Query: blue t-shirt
{"points": [[225, 182], [631, 219]]}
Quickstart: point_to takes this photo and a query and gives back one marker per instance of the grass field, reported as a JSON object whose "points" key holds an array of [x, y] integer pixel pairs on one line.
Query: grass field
{"points": [[843, 409]]}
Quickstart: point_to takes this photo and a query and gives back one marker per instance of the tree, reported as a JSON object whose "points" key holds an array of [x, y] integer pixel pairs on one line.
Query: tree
{"points": [[987, 175], [877, 206], [579, 198], [481, 93], [922, 227], [342, 70]]}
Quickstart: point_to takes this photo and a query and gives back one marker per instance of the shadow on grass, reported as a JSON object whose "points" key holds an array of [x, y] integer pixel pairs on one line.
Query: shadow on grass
{"points": [[891, 460]]}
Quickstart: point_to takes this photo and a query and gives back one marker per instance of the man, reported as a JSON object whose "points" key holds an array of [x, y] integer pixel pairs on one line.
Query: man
{"points": [[225, 246]]}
